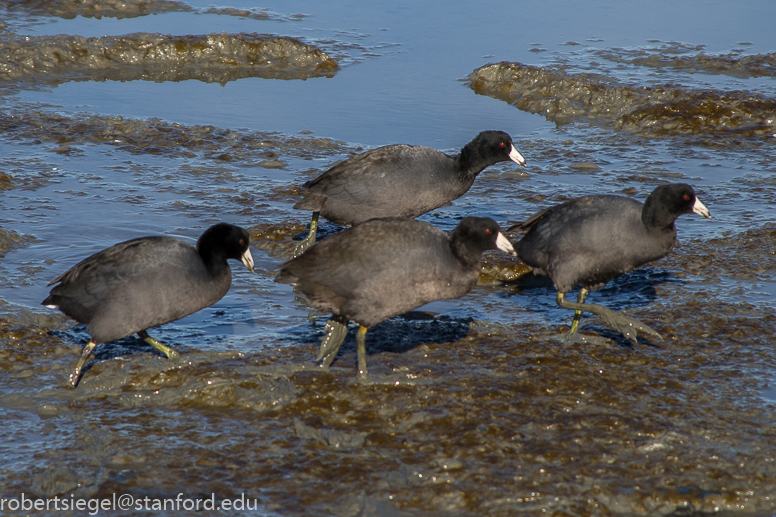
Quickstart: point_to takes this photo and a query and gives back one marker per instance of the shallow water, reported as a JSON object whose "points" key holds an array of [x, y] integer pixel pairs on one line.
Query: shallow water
{"points": [[486, 410]]}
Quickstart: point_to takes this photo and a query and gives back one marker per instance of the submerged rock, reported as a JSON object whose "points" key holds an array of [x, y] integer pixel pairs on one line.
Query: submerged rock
{"points": [[563, 98], [218, 58]]}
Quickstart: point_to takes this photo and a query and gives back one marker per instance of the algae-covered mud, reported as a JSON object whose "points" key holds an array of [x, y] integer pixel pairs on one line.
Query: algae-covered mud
{"points": [[155, 57], [692, 59], [91, 8], [481, 406], [127, 9], [656, 110]]}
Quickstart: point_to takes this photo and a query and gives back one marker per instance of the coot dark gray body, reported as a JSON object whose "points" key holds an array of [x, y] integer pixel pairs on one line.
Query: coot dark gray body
{"points": [[147, 282], [594, 239], [386, 267], [400, 181]]}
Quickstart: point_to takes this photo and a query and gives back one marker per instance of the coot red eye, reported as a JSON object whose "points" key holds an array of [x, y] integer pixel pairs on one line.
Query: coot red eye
{"points": [[242, 242], [503, 144], [687, 197], [488, 231]]}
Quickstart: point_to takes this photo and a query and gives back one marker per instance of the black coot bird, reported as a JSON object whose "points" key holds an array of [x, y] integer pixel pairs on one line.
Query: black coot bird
{"points": [[399, 181], [147, 282], [386, 267], [593, 239]]}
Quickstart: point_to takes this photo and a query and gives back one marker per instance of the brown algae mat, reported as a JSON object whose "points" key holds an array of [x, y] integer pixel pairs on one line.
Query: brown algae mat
{"points": [[490, 420]]}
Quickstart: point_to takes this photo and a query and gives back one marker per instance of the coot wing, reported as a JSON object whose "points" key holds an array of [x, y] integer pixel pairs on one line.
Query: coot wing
{"points": [[381, 172], [367, 264], [91, 282]]}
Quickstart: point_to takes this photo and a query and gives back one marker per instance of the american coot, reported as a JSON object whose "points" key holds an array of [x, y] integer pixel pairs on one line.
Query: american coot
{"points": [[147, 282], [399, 181], [386, 267], [593, 239]]}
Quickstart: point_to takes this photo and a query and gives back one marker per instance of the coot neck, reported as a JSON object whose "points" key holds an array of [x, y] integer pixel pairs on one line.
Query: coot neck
{"points": [[656, 216], [470, 162], [466, 255], [214, 259]]}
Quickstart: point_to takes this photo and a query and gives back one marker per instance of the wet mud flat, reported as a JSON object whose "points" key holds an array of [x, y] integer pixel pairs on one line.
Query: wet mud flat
{"points": [[476, 417], [487, 415], [470, 417], [500, 420]]}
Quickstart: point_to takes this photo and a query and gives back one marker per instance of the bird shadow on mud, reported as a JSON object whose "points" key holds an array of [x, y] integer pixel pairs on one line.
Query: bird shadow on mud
{"points": [[396, 335]]}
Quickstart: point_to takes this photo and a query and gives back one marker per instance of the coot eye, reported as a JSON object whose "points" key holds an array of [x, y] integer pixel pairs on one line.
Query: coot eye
{"points": [[488, 231], [242, 242], [687, 197], [503, 144]]}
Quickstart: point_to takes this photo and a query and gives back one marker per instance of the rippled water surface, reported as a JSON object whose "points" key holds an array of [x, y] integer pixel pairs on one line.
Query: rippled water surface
{"points": [[486, 411]]}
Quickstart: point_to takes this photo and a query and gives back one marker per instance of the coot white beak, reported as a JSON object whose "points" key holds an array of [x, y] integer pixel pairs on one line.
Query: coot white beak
{"points": [[504, 245], [516, 156], [247, 259], [700, 209]]}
